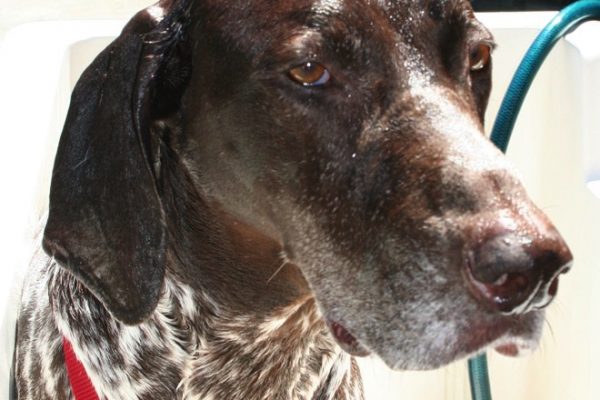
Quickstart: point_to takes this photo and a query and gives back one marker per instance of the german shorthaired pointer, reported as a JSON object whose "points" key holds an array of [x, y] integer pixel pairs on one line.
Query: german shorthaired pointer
{"points": [[249, 193]]}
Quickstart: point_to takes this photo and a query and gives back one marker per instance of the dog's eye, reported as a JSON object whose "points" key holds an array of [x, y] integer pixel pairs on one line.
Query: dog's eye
{"points": [[479, 57], [310, 74]]}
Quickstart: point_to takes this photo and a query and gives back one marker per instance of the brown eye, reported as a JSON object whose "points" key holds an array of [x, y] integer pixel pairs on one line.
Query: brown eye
{"points": [[479, 57], [310, 74]]}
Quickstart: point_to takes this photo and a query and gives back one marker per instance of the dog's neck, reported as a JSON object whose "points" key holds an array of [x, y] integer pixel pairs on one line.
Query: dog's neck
{"points": [[233, 322], [287, 355], [193, 347]]}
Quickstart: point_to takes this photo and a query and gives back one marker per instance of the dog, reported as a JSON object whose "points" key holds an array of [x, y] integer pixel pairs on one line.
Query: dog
{"points": [[247, 195]]}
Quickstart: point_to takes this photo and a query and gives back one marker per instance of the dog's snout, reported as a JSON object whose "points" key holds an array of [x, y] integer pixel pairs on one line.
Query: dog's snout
{"points": [[514, 273]]}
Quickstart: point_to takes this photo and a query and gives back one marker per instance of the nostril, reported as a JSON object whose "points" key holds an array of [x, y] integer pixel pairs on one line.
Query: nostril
{"points": [[553, 257], [549, 289], [498, 256], [513, 274], [511, 284], [515, 291], [507, 293]]}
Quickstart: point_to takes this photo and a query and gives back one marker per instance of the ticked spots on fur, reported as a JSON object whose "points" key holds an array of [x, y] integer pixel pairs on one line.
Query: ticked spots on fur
{"points": [[189, 348], [286, 355]]}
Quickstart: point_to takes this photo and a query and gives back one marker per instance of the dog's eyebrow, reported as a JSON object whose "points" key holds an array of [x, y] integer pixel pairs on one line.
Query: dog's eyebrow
{"points": [[480, 32]]}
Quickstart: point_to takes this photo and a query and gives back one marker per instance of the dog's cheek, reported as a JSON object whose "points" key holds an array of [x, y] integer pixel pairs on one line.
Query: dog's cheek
{"points": [[395, 309]]}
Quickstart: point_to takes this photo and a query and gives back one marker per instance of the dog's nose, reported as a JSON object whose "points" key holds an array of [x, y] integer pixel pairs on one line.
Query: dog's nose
{"points": [[514, 274]]}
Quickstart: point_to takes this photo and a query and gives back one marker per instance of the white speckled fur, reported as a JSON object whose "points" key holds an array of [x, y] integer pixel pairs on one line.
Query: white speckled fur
{"points": [[201, 358]]}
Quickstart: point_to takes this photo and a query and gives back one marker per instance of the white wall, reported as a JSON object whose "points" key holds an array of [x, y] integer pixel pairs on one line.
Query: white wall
{"points": [[15, 12]]}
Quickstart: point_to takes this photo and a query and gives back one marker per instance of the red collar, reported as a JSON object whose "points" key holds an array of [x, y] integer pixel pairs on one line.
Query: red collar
{"points": [[81, 385]]}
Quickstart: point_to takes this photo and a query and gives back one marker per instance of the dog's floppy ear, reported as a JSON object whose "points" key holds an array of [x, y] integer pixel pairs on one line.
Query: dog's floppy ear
{"points": [[105, 221]]}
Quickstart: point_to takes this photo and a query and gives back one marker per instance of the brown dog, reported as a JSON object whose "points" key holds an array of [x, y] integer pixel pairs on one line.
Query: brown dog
{"points": [[247, 193]]}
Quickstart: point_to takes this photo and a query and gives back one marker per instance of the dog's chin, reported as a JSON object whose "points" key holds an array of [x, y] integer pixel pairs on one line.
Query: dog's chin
{"points": [[518, 338], [511, 337]]}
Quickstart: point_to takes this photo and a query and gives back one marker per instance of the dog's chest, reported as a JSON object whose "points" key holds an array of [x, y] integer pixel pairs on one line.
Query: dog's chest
{"points": [[193, 348]]}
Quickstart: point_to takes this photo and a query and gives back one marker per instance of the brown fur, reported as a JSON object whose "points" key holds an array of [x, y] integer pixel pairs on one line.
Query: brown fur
{"points": [[217, 230]]}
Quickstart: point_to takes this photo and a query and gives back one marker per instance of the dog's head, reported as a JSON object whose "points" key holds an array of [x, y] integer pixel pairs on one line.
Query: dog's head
{"points": [[348, 130]]}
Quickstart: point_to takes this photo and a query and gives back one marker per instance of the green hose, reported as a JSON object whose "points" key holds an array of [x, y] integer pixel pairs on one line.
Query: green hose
{"points": [[478, 376], [567, 20]]}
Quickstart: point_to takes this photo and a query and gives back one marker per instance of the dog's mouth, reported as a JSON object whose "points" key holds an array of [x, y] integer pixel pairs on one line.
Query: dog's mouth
{"points": [[346, 340], [506, 345], [511, 337]]}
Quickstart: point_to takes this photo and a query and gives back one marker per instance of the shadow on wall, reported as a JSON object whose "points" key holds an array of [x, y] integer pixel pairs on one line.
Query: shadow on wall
{"points": [[519, 5]]}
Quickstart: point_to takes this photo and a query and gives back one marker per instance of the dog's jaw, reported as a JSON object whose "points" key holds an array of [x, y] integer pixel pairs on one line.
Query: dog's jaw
{"points": [[435, 323]]}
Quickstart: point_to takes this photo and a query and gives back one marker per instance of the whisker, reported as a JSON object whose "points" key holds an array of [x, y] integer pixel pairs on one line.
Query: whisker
{"points": [[284, 261], [547, 322]]}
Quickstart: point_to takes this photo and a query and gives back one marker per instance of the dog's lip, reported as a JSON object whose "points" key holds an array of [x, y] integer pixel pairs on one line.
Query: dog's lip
{"points": [[346, 340], [508, 349], [509, 344], [515, 347], [511, 336]]}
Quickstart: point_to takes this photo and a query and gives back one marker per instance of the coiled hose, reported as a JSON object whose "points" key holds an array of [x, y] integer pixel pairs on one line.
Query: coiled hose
{"points": [[566, 20]]}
